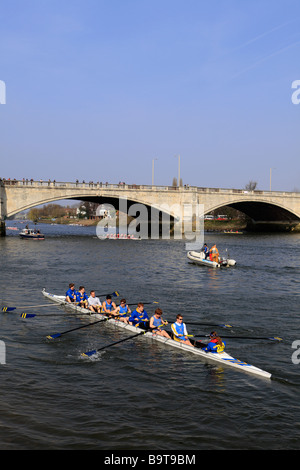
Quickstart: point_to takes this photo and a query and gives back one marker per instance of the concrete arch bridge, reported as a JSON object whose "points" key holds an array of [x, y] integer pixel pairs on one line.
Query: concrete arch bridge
{"points": [[267, 210]]}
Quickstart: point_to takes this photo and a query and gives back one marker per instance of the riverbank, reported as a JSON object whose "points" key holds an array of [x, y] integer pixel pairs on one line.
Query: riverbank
{"points": [[234, 225]]}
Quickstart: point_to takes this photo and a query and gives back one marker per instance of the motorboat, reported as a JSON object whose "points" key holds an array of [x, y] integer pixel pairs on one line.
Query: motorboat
{"points": [[29, 234], [197, 257]]}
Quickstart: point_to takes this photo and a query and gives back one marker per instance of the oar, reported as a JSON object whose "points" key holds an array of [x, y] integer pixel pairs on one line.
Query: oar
{"points": [[57, 335], [61, 315], [9, 309], [94, 351], [114, 294], [270, 338], [144, 303], [209, 324]]}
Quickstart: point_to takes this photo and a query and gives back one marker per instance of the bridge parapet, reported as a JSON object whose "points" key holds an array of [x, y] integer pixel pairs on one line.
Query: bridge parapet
{"points": [[136, 187]]}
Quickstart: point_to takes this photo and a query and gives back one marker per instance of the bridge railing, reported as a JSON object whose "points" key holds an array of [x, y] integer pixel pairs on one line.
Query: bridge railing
{"points": [[135, 187], [92, 185]]}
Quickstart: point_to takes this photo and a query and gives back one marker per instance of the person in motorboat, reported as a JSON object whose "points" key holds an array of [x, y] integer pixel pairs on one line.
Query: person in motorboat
{"points": [[156, 322], [108, 306], [214, 254], [94, 303], [123, 311], [71, 293], [216, 344], [179, 331], [205, 250], [82, 297], [139, 317]]}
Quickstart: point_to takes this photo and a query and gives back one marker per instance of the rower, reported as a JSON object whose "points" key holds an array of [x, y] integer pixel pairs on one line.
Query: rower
{"points": [[156, 322], [108, 306], [71, 293], [94, 302], [139, 317], [179, 331], [82, 298], [216, 344], [123, 311]]}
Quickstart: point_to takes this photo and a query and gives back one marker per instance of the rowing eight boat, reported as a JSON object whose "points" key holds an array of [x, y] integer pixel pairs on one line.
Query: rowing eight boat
{"points": [[220, 358]]}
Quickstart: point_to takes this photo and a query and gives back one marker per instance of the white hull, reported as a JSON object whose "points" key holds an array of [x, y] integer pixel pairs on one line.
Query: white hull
{"points": [[120, 237], [222, 358], [199, 258]]}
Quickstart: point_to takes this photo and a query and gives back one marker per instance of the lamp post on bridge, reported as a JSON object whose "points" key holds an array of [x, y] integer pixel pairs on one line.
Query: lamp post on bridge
{"points": [[153, 170], [178, 156], [271, 177]]}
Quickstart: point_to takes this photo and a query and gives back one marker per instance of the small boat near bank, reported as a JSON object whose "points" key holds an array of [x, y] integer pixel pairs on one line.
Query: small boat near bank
{"points": [[29, 234], [197, 257], [234, 232], [220, 358]]}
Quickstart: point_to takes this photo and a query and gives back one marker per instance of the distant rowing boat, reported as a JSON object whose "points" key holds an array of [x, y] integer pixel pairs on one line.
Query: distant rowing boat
{"points": [[236, 232], [120, 236], [220, 358]]}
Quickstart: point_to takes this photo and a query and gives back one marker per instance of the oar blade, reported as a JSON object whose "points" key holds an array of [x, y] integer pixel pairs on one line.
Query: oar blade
{"points": [[27, 315], [8, 309], [56, 335], [89, 353]]}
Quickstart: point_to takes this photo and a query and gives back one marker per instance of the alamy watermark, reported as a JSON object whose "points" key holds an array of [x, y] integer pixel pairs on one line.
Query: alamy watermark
{"points": [[296, 93], [2, 92], [180, 222], [295, 358], [2, 353]]}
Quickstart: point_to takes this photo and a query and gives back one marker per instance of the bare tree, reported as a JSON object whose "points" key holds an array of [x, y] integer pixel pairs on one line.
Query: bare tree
{"points": [[251, 186]]}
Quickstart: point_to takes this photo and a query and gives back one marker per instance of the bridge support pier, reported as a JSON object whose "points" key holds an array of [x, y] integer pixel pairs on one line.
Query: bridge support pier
{"points": [[2, 210], [2, 228]]}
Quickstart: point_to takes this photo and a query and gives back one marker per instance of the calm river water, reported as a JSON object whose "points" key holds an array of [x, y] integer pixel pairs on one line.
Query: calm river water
{"points": [[141, 395]]}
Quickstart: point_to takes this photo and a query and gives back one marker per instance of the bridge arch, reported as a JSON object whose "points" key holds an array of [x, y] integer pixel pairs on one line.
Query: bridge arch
{"points": [[154, 211], [264, 214]]}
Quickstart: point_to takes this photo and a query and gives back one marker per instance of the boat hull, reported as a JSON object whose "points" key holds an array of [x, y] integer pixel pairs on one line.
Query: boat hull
{"points": [[32, 237], [222, 358]]}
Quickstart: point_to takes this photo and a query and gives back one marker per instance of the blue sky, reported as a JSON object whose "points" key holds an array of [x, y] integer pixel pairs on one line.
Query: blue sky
{"points": [[96, 89]]}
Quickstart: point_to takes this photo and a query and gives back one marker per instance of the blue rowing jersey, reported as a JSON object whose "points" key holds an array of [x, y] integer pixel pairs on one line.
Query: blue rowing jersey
{"points": [[80, 297], [179, 331], [123, 311], [157, 322], [214, 347], [108, 306], [71, 293], [138, 317]]}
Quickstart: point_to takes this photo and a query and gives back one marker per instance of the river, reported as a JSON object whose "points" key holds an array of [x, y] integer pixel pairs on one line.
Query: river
{"points": [[141, 395]]}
